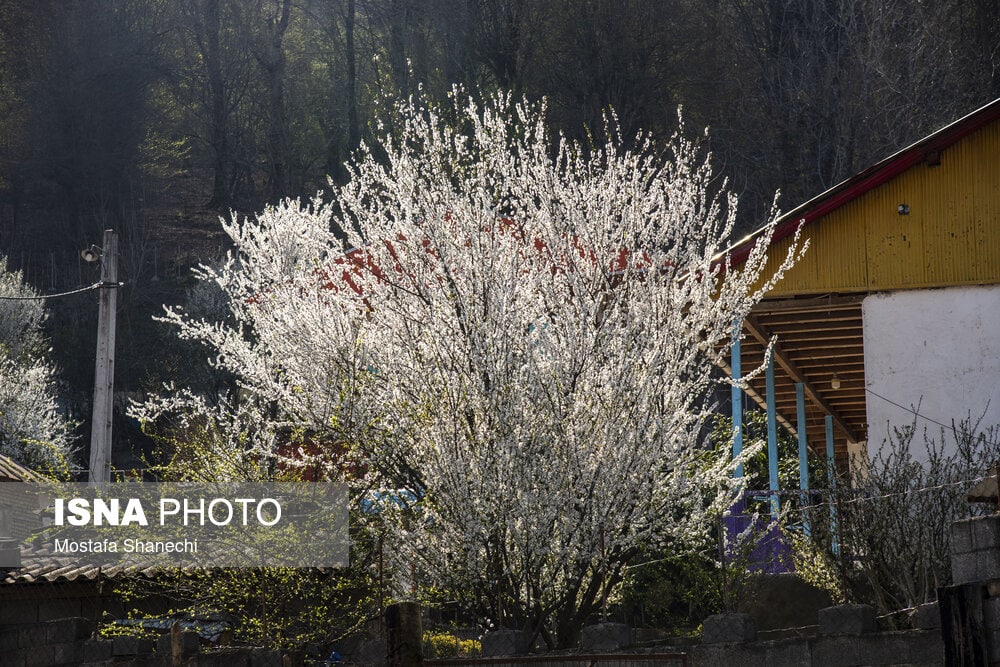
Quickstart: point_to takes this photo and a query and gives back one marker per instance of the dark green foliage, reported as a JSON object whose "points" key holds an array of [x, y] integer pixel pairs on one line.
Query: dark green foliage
{"points": [[756, 468], [671, 592], [274, 607]]}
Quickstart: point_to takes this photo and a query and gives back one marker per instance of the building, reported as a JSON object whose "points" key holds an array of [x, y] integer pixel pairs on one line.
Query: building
{"points": [[893, 315]]}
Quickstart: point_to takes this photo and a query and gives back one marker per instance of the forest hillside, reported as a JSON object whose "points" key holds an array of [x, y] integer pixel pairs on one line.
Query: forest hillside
{"points": [[155, 117]]}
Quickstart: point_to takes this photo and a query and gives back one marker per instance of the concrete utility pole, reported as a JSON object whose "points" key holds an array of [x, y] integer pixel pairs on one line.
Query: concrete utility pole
{"points": [[104, 374]]}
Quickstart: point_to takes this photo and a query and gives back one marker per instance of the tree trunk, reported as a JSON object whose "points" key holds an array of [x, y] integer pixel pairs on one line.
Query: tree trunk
{"points": [[353, 124], [218, 117], [272, 60]]}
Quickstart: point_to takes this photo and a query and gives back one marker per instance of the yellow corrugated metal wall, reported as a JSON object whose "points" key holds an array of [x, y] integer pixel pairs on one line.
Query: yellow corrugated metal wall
{"points": [[950, 237]]}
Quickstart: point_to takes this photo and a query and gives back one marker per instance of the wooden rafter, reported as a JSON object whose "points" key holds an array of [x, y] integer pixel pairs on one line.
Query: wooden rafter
{"points": [[763, 336]]}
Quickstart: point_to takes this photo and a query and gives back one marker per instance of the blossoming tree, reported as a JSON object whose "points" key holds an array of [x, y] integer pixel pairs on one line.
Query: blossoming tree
{"points": [[33, 429], [523, 337]]}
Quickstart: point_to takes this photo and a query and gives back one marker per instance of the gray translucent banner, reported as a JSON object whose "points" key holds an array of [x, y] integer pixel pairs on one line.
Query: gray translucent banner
{"points": [[176, 524]]}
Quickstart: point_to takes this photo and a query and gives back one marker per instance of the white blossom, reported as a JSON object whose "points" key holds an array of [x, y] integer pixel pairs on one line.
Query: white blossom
{"points": [[524, 336], [34, 430]]}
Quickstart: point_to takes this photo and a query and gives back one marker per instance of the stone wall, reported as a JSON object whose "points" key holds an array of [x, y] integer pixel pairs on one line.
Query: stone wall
{"points": [[847, 637], [970, 607], [69, 643]]}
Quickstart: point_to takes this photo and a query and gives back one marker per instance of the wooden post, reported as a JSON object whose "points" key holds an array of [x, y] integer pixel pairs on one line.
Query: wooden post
{"points": [[737, 399], [831, 472], [772, 437], [104, 372], [800, 417]]}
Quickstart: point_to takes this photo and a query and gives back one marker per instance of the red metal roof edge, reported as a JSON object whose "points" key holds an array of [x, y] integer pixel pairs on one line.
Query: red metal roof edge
{"points": [[866, 180]]}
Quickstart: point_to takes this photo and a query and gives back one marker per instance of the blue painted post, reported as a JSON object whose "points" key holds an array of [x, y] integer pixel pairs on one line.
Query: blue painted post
{"points": [[800, 418], [772, 438], [737, 400], [832, 480]]}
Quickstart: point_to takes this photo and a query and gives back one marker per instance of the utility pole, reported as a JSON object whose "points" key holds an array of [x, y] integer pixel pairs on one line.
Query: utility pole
{"points": [[104, 374]]}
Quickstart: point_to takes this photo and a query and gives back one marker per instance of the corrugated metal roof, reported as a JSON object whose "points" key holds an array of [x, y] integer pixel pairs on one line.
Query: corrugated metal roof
{"points": [[872, 177], [10, 471], [40, 566]]}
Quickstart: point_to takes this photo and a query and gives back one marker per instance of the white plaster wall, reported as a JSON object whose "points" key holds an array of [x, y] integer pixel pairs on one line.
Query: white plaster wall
{"points": [[937, 348]]}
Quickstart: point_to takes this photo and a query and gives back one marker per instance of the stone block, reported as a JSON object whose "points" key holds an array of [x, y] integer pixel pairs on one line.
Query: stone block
{"points": [[95, 650], [239, 657], [961, 537], [8, 640], [30, 636], [269, 658], [926, 616], [774, 653], [14, 658], [39, 656], [988, 564], [847, 619], [190, 644], [505, 641], [711, 655], [975, 567], [16, 612], [369, 652], [887, 648], [69, 630], [926, 647], [985, 532], [67, 653], [787, 653], [838, 651], [725, 628], [125, 645], [605, 637], [54, 610], [907, 647], [965, 568]]}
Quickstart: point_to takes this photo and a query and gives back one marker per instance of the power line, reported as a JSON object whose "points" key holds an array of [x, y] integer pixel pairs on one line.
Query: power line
{"points": [[42, 297], [937, 487], [860, 495], [912, 410]]}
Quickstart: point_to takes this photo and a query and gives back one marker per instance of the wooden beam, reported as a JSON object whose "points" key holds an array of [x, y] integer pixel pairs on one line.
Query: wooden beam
{"points": [[763, 336], [814, 304], [796, 318], [856, 357], [850, 366], [819, 326], [821, 335]]}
